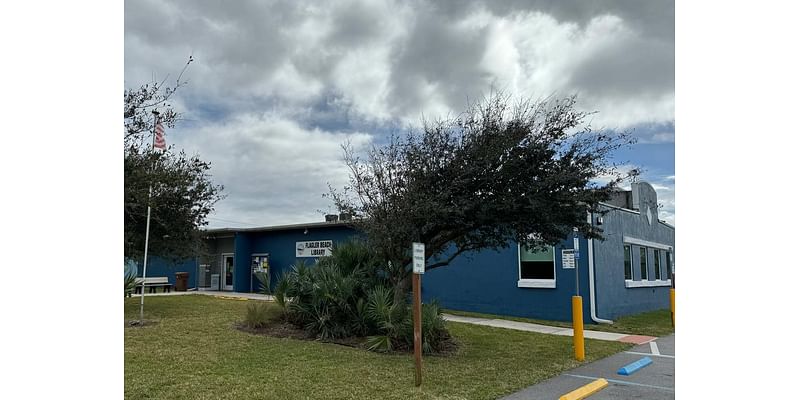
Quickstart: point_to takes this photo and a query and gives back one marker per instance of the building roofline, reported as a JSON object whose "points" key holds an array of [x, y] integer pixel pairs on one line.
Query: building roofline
{"points": [[634, 212], [619, 208], [323, 224], [667, 224]]}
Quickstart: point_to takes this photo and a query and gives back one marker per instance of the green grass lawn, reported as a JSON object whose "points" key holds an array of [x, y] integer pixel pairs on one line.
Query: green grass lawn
{"points": [[653, 323], [194, 352]]}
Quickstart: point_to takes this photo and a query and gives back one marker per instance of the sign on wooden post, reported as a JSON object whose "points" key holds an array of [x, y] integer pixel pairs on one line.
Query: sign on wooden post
{"points": [[418, 254]]}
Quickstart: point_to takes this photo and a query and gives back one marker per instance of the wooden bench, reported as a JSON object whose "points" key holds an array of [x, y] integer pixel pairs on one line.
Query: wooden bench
{"points": [[152, 283]]}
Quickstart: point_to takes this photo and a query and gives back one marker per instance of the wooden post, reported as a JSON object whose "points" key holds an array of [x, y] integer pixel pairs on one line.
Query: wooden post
{"points": [[417, 305]]}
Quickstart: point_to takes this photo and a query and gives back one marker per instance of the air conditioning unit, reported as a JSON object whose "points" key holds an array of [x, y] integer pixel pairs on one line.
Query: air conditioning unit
{"points": [[331, 218], [215, 282]]}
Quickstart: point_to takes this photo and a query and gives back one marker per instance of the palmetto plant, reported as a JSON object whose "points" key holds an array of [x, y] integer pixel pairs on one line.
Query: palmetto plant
{"points": [[350, 294], [130, 283]]}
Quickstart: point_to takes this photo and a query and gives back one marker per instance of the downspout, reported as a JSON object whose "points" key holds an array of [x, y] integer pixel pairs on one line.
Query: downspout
{"points": [[592, 309]]}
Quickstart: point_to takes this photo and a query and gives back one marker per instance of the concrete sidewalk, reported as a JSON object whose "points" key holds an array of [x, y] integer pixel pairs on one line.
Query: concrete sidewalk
{"points": [[215, 293], [550, 330]]}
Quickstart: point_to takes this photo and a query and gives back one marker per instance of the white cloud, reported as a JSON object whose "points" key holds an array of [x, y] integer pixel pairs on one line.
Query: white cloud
{"points": [[274, 171], [277, 86]]}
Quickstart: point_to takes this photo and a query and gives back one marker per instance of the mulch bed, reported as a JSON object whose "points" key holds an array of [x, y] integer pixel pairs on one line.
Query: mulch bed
{"points": [[283, 329]]}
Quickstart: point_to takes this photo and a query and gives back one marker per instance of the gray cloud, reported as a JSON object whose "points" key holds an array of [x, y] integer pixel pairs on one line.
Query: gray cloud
{"points": [[271, 80]]}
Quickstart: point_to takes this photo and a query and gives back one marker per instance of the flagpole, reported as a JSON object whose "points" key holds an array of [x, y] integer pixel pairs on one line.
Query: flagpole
{"points": [[147, 229]]}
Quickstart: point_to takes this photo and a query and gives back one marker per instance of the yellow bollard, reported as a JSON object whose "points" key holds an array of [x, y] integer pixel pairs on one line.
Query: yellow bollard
{"points": [[672, 305], [577, 327]]}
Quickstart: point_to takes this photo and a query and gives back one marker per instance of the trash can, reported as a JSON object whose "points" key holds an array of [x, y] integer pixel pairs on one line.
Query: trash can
{"points": [[181, 281]]}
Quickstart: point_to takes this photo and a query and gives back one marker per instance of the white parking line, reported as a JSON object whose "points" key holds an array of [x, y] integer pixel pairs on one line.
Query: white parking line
{"points": [[649, 354], [654, 348]]}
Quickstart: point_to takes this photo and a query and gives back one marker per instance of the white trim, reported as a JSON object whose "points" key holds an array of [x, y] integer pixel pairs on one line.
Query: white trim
{"points": [[537, 283], [224, 271], [649, 354], [630, 256], [620, 208], [645, 243], [638, 284], [654, 348]]}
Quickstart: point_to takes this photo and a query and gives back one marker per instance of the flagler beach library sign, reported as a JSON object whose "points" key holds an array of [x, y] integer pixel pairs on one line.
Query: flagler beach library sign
{"points": [[315, 248]]}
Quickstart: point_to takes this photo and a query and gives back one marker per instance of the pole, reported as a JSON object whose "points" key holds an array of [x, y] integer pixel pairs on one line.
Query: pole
{"points": [[672, 289], [418, 268], [147, 228], [415, 282], [577, 306], [577, 257]]}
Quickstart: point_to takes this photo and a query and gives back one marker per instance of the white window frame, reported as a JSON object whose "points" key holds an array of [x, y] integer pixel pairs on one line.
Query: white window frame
{"points": [[535, 283], [630, 254], [631, 241]]}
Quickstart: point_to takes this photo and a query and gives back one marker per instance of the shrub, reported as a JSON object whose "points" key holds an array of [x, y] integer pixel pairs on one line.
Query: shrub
{"points": [[349, 294], [130, 283], [257, 315], [263, 281]]}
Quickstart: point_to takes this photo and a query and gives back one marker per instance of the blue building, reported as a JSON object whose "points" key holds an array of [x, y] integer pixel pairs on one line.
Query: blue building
{"points": [[628, 272]]}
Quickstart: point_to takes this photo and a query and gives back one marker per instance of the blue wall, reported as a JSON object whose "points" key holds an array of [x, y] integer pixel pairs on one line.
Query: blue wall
{"points": [[281, 248], [486, 282], [157, 266], [614, 299], [242, 277]]}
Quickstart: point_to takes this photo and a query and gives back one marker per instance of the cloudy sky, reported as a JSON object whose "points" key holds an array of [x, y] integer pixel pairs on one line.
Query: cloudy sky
{"points": [[276, 87]]}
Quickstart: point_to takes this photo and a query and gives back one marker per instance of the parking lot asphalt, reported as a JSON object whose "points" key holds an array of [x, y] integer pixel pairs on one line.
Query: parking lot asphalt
{"points": [[655, 381]]}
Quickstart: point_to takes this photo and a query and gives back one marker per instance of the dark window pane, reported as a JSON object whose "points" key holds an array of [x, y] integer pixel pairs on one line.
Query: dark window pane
{"points": [[537, 270], [643, 262], [657, 263], [628, 266], [669, 265]]}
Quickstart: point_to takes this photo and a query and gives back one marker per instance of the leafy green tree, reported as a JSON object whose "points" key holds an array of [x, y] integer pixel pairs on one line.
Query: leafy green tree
{"points": [[183, 193], [497, 173]]}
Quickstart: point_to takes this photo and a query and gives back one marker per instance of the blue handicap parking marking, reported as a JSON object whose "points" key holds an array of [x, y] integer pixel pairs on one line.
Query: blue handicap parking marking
{"points": [[635, 366]]}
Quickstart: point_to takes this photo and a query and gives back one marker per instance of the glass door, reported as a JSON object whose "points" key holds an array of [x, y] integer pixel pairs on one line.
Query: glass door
{"points": [[227, 272]]}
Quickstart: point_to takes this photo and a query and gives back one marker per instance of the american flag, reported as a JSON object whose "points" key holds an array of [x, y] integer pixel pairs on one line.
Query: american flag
{"points": [[159, 142]]}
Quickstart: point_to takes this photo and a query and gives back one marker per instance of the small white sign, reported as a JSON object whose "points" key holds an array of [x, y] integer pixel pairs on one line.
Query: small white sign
{"points": [[568, 258], [418, 252], [316, 248]]}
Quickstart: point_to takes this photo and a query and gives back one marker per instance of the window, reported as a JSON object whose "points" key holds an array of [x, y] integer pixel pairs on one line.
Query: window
{"points": [[669, 264], [643, 262], [537, 268], [657, 264], [662, 273], [628, 264]]}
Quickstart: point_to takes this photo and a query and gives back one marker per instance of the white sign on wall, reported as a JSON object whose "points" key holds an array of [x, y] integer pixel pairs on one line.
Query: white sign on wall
{"points": [[314, 248], [568, 258], [418, 253]]}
